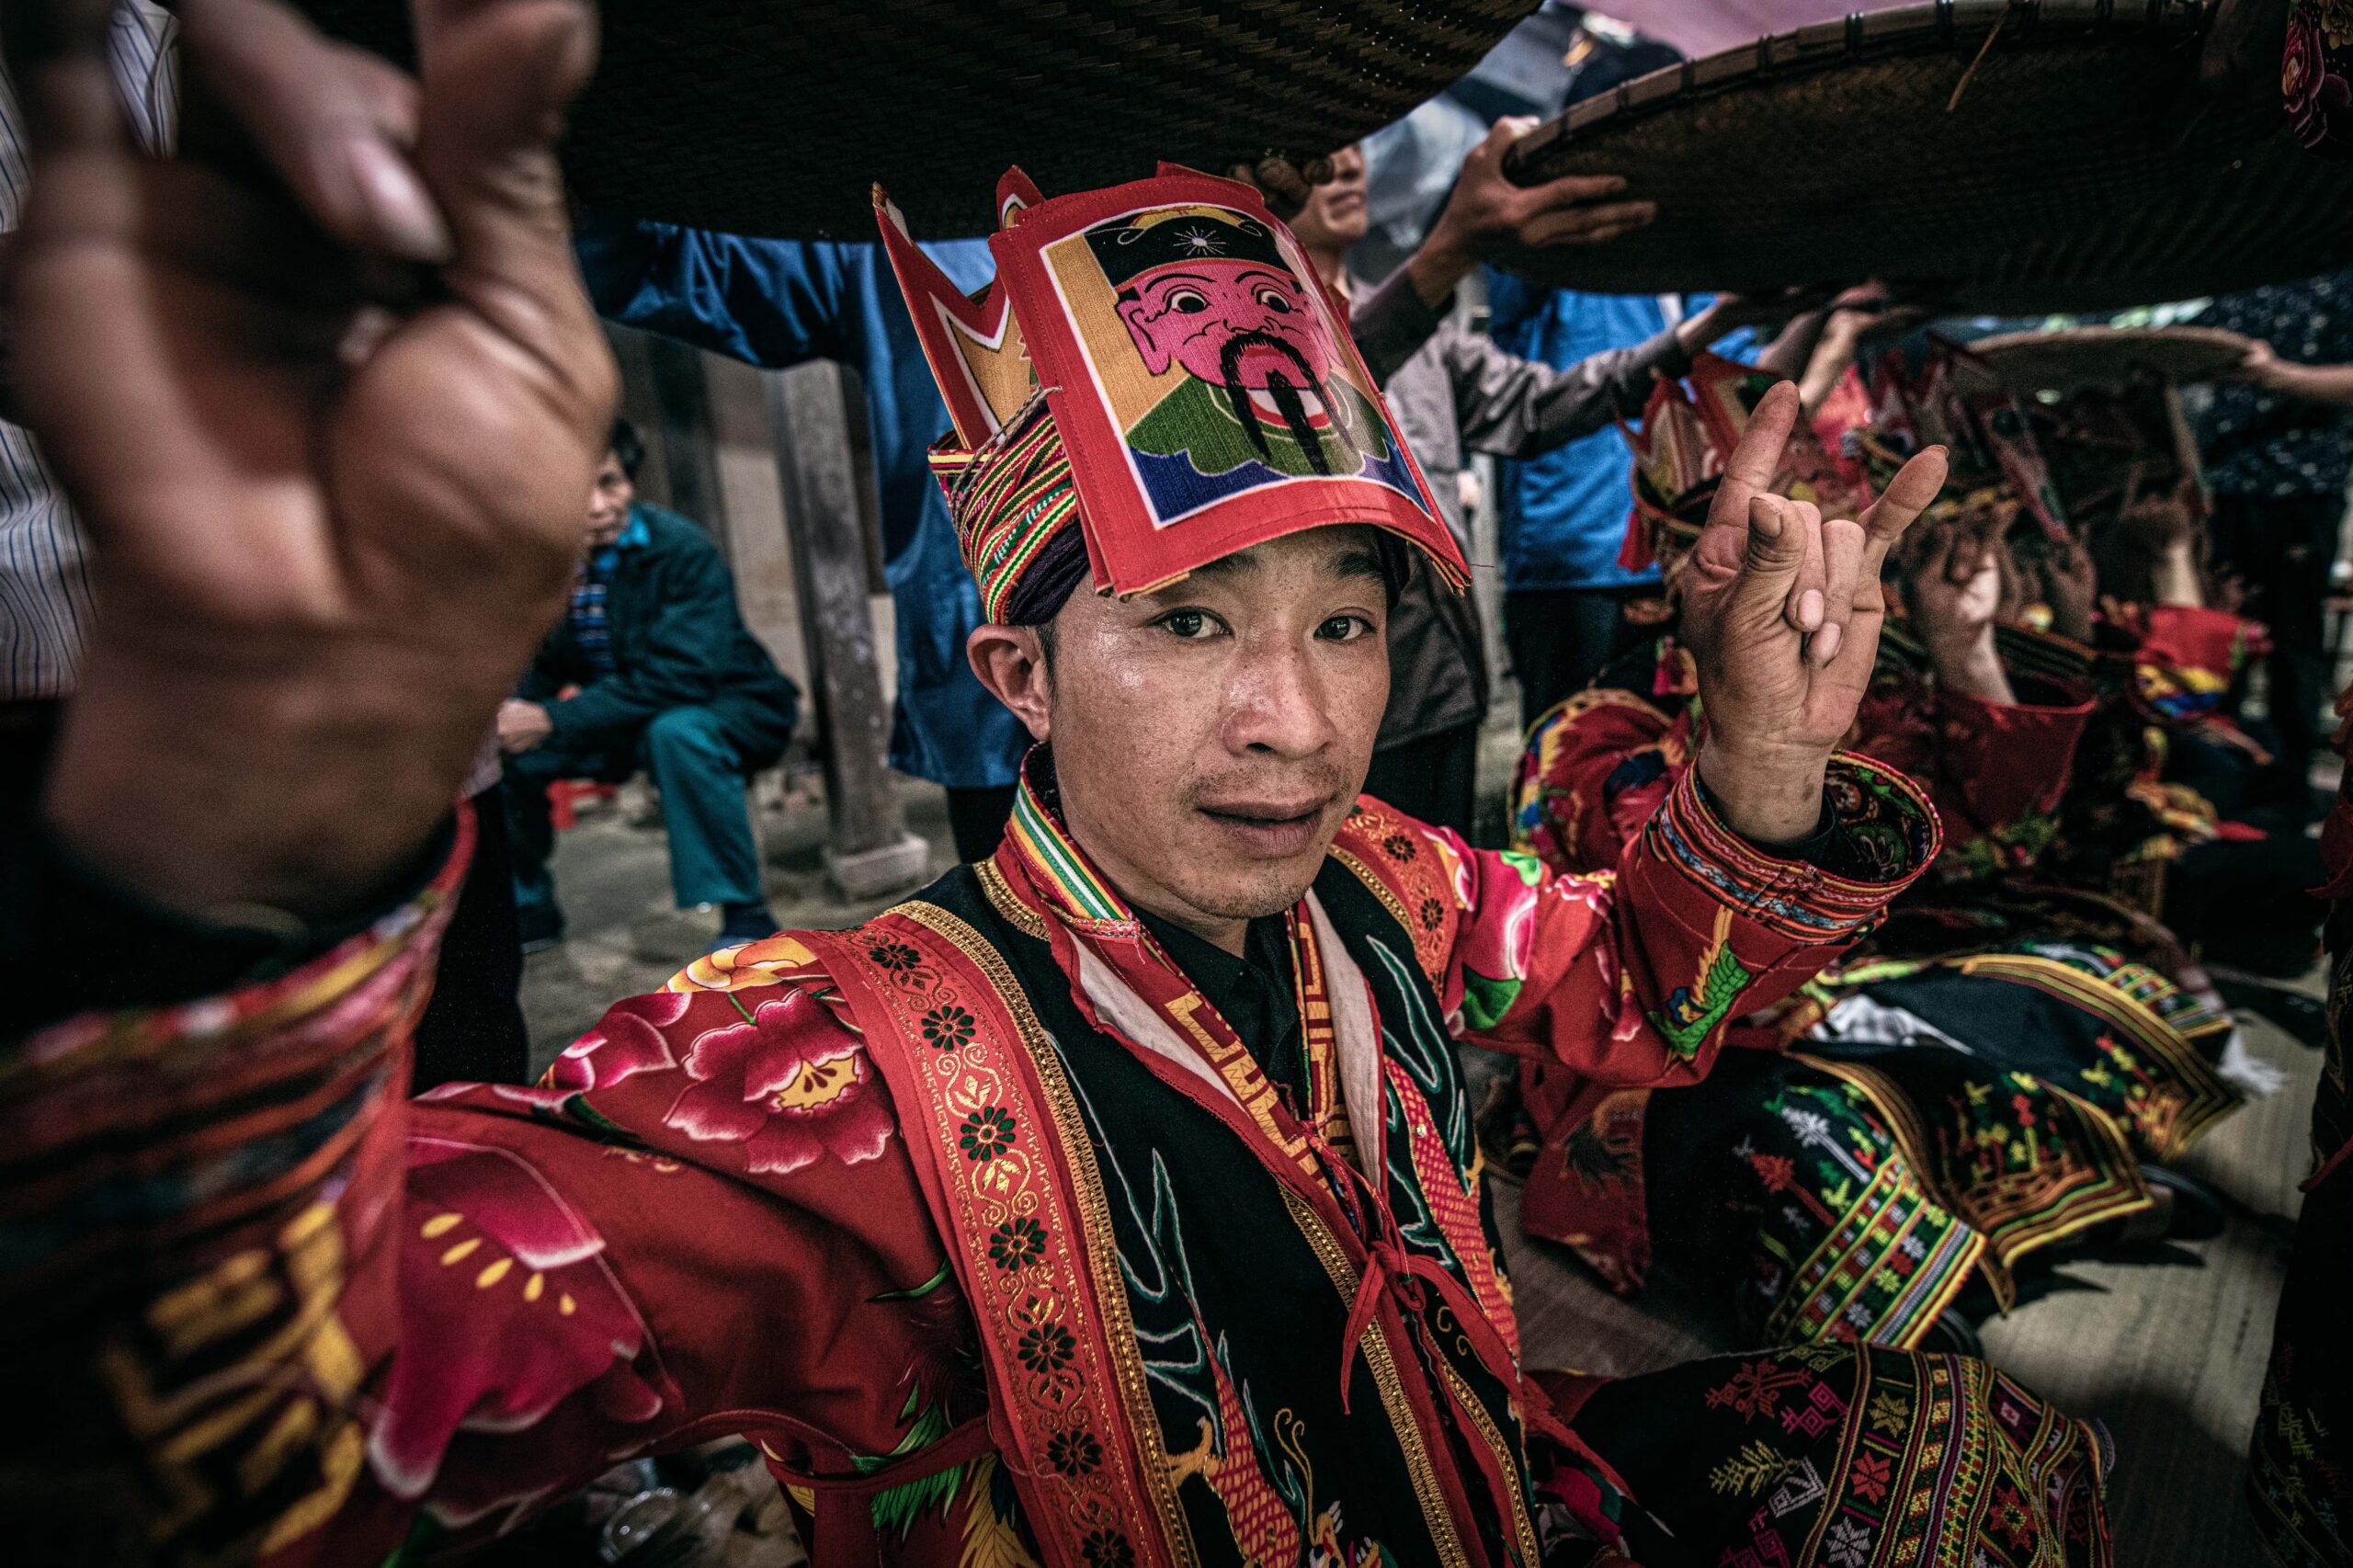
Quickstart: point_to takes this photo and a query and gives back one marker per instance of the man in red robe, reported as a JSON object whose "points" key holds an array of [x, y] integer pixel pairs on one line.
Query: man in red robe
{"points": [[1112, 1202]]}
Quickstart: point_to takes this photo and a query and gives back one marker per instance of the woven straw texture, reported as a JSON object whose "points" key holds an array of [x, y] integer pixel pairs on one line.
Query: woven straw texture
{"points": [[772, 117], [2107, 358], [2078, 171]]}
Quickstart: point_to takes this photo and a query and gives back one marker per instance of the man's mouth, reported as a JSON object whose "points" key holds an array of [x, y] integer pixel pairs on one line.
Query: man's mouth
{"points": [[1274, 829]]}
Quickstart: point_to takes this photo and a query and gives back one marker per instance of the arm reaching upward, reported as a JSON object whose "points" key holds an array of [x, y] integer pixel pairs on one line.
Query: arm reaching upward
{"points": [[1782, 612]]}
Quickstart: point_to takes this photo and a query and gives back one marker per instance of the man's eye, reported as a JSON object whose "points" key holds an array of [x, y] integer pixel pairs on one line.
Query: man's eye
{"points": [[1344, 629], [1188, 300], [1275, 299], [1190, 623]]}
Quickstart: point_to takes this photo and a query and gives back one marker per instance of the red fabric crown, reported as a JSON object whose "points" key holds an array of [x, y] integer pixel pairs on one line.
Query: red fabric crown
{"points": [[1193, 372]]}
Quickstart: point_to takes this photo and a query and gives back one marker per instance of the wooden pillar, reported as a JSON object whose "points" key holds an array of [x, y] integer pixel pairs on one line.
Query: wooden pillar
{"points": [[633, 351], [869, 853], [682, 404]]}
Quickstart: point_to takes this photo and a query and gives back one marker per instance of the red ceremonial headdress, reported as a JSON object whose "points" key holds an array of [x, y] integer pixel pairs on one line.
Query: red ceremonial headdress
{"points": [[1157, 363]]}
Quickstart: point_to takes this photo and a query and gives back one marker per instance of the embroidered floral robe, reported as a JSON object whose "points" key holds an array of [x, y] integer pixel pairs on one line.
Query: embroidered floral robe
{"points": [[1852, 1190], [994, 1255], [1596, 766]]}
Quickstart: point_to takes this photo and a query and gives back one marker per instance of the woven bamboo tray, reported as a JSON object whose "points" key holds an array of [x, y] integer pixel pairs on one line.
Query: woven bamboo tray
{"points": [[774, 117], [2107, 358], [2077, 171]]}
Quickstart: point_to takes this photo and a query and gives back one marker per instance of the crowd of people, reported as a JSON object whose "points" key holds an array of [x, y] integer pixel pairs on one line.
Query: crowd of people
{"points": [[1918, 774]]}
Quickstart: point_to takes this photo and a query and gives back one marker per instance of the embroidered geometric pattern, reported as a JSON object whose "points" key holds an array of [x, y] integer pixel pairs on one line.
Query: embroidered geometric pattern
{"points": [[1799, 901], [1374, 843], [1008, 499], [990, 1175], [1887, 1267]]}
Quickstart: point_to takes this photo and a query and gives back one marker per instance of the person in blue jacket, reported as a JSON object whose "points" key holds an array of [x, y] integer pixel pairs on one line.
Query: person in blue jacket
{"points": [[651, 667], [775, 303], [1564, 512]]}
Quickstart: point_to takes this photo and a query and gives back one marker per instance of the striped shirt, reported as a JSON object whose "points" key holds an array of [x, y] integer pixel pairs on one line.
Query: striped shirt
{"points": [[592, 629], [46, 604]]}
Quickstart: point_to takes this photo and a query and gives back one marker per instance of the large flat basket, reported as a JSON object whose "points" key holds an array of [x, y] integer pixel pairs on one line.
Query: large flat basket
{"points": [[2071, 166], [773, 116]]}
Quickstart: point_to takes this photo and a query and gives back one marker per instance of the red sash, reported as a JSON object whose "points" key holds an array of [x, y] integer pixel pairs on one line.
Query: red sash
{"points": [[944, 1021]]}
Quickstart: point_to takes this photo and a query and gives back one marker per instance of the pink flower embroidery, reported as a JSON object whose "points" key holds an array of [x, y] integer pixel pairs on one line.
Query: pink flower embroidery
{"points": [[626, 1041], [508, 1308], [790, 1085], [2318, 99], [1497, 937]]}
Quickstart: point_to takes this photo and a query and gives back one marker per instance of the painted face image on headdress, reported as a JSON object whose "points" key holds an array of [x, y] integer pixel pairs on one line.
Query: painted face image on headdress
{"points": [[1223, 375]]}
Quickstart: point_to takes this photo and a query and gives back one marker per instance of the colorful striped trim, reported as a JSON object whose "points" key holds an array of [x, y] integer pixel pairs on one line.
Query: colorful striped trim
{"points": [[1054, 1335], [1795, 899], [2169, 1124], [1008, 499], [1058, 867], [1855, 1271], [2079, 1182]]}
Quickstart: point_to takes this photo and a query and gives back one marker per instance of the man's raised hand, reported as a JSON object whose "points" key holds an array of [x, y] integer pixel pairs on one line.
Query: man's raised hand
{"points": [[1781, 611], [1489, 214], [336, 497]]}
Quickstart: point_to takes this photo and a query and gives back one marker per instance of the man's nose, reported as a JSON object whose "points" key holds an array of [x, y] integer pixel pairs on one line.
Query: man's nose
{"points": [[1277, 701]]}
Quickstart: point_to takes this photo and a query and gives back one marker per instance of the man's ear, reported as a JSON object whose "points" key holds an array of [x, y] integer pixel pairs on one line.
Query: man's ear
{"points": [[1010, 661]]}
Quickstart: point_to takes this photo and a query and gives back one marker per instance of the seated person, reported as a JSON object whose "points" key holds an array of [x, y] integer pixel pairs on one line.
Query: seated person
{"points": [[2177, 783], [663, 676]]}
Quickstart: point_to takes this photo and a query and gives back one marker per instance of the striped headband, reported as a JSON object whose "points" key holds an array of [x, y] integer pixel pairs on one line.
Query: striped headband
{"points": [[1008, 500]]}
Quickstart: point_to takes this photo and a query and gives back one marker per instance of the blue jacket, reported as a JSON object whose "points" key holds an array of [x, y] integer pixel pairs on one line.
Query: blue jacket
{"points": [[678, 641], [775, 303], [1564, 513]]}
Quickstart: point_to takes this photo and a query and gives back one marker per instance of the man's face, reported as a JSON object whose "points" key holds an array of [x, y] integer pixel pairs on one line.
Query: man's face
{"points": [[1232, 323], [608, 497], [1335, 216], [1208, 739]]}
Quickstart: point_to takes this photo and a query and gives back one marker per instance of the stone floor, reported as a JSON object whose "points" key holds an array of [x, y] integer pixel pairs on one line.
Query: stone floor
{"points": [[2165, 1345]]}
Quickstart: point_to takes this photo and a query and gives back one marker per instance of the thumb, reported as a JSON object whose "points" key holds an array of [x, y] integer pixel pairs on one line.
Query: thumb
{"points": [[495, 76], [1510, 129]]}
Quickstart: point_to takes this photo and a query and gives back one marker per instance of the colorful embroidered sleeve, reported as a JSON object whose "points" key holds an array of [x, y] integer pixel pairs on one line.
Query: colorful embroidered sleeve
{"points": [[327, 1320], [1631, 977], [1993, 769]]}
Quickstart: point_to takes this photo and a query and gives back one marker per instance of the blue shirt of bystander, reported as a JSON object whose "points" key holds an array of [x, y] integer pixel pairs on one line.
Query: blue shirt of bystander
{"points": [[1564, 512], [777, 303]]}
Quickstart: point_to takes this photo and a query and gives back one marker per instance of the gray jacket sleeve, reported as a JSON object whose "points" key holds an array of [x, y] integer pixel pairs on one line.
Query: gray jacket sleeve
{"points": [[1504, 405], [1390, 324]]}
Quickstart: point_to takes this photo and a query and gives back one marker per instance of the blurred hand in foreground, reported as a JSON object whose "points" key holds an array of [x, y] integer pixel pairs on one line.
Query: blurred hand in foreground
{"points": [[326, 392]]}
